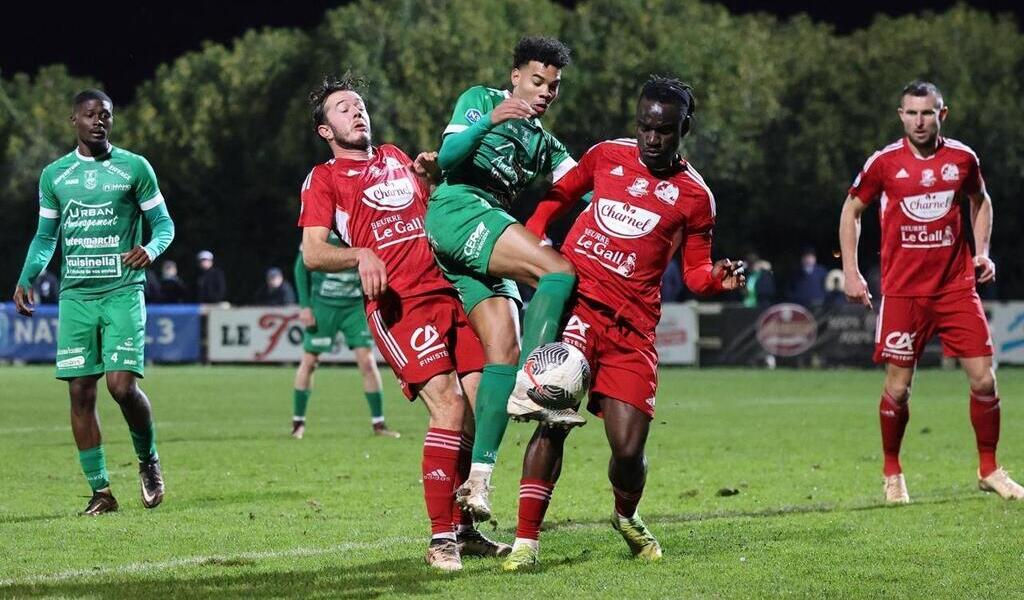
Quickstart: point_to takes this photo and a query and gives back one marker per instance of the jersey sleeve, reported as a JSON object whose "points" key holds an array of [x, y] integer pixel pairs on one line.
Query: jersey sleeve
{"points": [[560, 159], [973, 182], [867, 187], [146, 188], [568, 189], [696, 260], [49, 208], [473, 104], [317, 200]]}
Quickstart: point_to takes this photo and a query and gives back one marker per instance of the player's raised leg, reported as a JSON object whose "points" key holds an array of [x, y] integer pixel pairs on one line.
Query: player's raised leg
{"points": [[85, 427], [985, 413], [893, 415], [303, 389], [373, 389], [626, 428], [124, 388]]}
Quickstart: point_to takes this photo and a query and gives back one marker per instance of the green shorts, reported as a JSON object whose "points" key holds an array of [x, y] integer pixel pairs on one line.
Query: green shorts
{"points": [[463, 227], [97, 335], [347, 319]]}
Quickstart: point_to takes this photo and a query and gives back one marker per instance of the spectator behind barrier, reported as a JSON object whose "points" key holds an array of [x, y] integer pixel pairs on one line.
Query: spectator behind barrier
{"points": [[808, 286], [46, 287], [760, 290], [275, 291], [172, 290], [211, 287]]}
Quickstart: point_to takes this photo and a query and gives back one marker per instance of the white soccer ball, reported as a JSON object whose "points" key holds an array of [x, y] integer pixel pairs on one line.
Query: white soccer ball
{"points": [[556, 376]]}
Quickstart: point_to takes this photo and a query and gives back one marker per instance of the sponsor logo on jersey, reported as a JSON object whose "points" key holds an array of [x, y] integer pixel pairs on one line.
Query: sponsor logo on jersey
{"points": [[106, 241], [129, 362], [71, 363], [473, 115], [899, 343], [950, 172], [71, 181], [394, 229], [616, 171], [116, 187], [902, 174], [392, 163], [638, 189], [928, 177], [919, 236], [78, 215], [90, 179], [94, 266], [925, 208], [471, 249], [598, 247], [394, 194], [66, 172], [425, 341], [116, 171], [72, 350], [576, 329], [666, 192], [623, 220]]}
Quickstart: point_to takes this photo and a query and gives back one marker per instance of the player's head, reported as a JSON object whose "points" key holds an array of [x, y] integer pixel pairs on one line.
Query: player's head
{"points": [[92, 114], [922, 112], [537, 64], [340, 117], [663, 116]]}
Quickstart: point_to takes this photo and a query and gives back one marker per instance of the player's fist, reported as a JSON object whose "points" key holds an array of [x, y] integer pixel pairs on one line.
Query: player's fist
{"points": [[24, 300], [511, 108], [856, 289], [306, 317], [426, 166], [731, 274], [372, 274], [985, 269], [136, 258]]}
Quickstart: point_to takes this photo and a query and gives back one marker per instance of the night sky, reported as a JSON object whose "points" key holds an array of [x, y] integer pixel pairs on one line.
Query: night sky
{"points": [[122, 44]]}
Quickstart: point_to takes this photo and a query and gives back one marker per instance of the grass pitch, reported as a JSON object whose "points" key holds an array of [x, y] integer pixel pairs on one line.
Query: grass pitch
{"points": [[340, 514]]}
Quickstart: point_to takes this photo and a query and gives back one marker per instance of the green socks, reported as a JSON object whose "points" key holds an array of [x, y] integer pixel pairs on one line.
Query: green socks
{"points": [[94, 465], [300, 402], [376, 402], [544, 315], [145, 443], [496, 385]]}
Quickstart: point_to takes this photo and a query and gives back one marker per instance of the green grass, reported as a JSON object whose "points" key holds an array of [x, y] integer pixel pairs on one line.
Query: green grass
{"points": [[250, 511]]}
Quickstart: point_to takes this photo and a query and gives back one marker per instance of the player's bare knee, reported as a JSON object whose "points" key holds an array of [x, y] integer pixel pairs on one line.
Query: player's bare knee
{"points": [[83, 396], [983, 384], [122, 391], [899, 392]]}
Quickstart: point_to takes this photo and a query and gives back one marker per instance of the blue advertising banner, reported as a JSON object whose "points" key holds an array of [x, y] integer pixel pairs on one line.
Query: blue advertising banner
{"points": [[172, 333]]}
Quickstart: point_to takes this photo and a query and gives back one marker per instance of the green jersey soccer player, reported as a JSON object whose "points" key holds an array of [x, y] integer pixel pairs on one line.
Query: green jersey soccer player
{"points": [[95, 199], [332, 303], [493, 147]]}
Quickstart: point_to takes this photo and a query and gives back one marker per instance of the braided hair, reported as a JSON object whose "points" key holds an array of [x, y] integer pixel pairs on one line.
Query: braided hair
{"points": [[669, 90]]}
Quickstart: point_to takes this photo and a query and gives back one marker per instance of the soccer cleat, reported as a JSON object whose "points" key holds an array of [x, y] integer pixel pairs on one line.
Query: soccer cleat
{"points": [[152, 483], [896, 489], [522, 408], [523, 558], [101, 502], [298, 429], [640, 540], [474, 495], [381, 430], [999, 481], [474, 543], [444, 555]]}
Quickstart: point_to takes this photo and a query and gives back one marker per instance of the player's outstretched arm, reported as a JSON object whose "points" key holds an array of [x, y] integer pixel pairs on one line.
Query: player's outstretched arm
{"points": [[319, 255], [456, 147], [40, 251], [855, 286], [981, 224]]}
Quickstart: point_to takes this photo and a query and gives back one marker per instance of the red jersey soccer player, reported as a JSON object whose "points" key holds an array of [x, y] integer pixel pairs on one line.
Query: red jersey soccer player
{"points": [[375, 200], [928, 275], [647, 202]]}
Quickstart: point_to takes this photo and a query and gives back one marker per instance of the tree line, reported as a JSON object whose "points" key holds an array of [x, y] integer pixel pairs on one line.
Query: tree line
{"points": [[788, 110]]}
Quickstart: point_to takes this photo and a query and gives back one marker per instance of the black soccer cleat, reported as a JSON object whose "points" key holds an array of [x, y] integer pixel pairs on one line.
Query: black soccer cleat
{"points": [[152, 483], [101, 502]]}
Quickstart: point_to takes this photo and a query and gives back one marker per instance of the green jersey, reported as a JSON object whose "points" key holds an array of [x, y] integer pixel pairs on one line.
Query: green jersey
{"points": [[510, 156], [99, 202], [329, 288]]}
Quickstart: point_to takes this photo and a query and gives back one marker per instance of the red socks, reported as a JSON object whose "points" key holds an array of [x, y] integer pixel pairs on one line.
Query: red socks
{"points": [[985, 419], [625, 502], [440, 470], [534, 497], [893, 417], [462, 517]]}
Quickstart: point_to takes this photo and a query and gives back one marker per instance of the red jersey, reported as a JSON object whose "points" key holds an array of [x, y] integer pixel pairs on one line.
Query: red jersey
{"points": [[924, 251], [621, 244], [377, 204]]}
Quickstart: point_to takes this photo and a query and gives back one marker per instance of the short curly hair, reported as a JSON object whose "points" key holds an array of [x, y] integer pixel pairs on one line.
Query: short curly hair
{"points": [[545, 50], [330, 84]]}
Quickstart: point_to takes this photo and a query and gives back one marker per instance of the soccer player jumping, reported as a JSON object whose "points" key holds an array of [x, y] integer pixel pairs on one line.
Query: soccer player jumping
{"points": [[928, 276], [648, 202], [374, 199], [94, 198]]}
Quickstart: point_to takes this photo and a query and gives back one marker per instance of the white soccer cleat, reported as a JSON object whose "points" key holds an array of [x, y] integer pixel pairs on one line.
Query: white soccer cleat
{"points": [[521, 408], [474, 495], [896, 490], [999, 481], [444, 556]]}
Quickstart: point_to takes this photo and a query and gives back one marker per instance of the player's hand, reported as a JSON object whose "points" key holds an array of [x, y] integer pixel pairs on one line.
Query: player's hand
{"points": [[426, 166], [732, 274], [511, 108], [372, 274], [856, 289], [24, 300], [136, 258], [985, 268], [306, 317]]}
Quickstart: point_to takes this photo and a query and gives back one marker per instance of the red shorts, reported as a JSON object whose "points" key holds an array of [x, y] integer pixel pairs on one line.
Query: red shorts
{"points": [[623, 361], [905, 324], [425, 336]]}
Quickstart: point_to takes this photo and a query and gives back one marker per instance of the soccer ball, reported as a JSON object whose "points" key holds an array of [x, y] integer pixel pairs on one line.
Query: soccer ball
{"points": [[556, 376]]}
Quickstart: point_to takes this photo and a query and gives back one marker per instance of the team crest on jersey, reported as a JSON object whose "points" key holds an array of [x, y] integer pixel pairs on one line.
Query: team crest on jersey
{"points": [[391, 195], [473, 115], [950, 172], [391, 163], [638, 189], [90, 179], [928, 178], [623, 220], [666, 192]]}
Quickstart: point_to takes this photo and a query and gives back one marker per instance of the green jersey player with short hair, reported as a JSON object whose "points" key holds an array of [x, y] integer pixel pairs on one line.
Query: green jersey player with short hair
{"points": [[95, 199], [493, 148], [332, 303]]}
